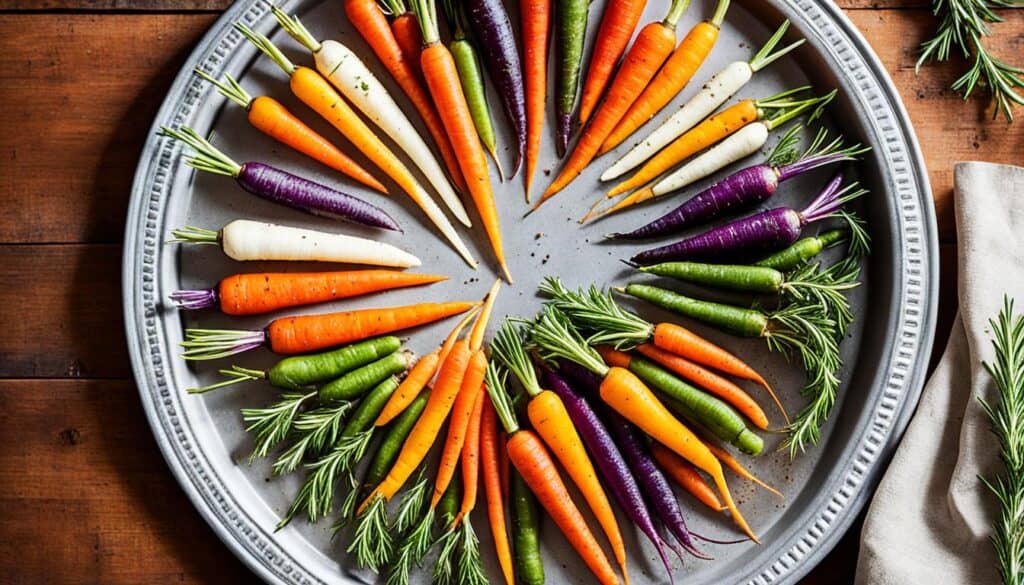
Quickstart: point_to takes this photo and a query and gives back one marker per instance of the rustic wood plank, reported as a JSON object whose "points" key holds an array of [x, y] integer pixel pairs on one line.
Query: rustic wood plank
{"points": [[79, 95], [64, 307], [948, 129], [87, 496]]}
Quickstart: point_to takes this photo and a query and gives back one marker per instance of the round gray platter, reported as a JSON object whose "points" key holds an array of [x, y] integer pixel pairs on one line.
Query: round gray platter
{"points": [[885, 355]]}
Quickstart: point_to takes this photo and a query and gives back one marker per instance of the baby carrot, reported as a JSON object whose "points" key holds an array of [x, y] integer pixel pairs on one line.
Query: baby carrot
{"points": [[306, 333], [726, 457], [368, 18], [252, 294], [470, 460], [710, 381], [617, 25], [684, 474], [533, 462], [536, 24], [272, 118], [439, 71], [673, 77], [491, 472]]}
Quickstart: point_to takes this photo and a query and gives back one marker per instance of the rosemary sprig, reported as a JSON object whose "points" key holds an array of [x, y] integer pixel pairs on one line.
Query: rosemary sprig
{"points": [[1007, 417], [272, 424], [413, 547], [411, 505], [314, 431], [597, 312], [964, 24], [371, 542], [316, 496], [470, 571], [810, 285], [444, 567]]}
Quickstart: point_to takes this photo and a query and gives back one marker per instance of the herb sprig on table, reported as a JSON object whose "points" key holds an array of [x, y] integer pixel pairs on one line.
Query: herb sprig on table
{"points": [[1007, 418], [964, 25]]}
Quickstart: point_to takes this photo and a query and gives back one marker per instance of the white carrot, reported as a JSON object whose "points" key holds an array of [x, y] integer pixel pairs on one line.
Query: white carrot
{"points": [[347, 72], [719, 88], [740, 145], [244, 239]]}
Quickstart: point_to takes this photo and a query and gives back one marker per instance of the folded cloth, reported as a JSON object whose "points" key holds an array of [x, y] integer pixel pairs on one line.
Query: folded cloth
{"points": [[931, 519]]}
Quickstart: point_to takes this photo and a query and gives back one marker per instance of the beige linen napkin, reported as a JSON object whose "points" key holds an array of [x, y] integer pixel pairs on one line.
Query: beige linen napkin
{"points": [[930, 520]]}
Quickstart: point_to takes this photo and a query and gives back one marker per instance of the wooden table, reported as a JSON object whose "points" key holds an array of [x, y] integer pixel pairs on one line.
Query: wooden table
{"points": [[85, 494]]}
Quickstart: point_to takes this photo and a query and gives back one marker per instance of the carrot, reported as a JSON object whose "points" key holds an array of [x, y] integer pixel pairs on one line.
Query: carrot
{"points": [[471, 458], [367, 18], [252, 294], [653, 45], [684, 474], [710, 381], [731, 462], [476, 335], [306, 333], [685, 343], [536, 23], [410, 388], [424, 433], [531, 459], [272, 118], [440, 72], [705, 134], [449, 342], [673, 77], [617, 25], [407, 33], [490, 460], [462, 411], [465, 401], [550, 419]]}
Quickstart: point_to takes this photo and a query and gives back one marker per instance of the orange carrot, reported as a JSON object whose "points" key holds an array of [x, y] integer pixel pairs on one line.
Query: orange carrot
{"points": [[683, 342], [536, 21], [710, 381], [476, 335], [462, 411], [631, 398], [652, 46], [306, 333], [686, 475], [731, 462], [673, 77], [531, 459], [407, 33], [427, 427], [617, 25], [471, 459], [706, 134], [439, 71], [409, 389], [367, 18], [449, 342], [490, 459], [252, 294]]}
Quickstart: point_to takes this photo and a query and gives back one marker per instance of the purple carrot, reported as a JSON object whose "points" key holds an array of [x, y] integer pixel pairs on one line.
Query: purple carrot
{"points": [[493, 30], [280, 186], [762, 232], [652, 480], [609, 460], [745, 188]]}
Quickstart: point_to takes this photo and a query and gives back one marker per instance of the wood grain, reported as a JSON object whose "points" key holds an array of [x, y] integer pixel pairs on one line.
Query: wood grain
{"points": [[80, 93], [64, 307], [87, 497]]}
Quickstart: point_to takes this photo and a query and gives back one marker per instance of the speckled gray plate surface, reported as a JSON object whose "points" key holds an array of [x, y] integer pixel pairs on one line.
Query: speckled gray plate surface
{"points": [[885, 355]]}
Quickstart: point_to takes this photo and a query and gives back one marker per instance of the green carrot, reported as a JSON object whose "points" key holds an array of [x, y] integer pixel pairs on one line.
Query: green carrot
{"points": [[802, 330], [717, 416], [802, 250], [525, 531], [353, 384], [471, 75], [570, 31], [301, 372]]}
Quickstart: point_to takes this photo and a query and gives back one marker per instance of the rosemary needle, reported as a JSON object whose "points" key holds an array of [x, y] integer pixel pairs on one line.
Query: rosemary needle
{"points": [[1007, 417]]}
